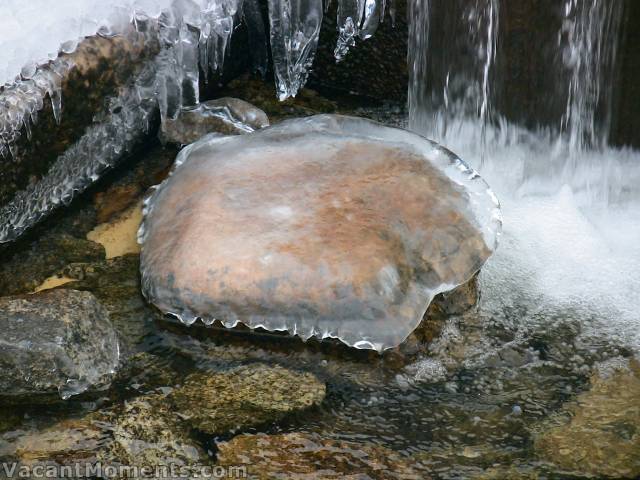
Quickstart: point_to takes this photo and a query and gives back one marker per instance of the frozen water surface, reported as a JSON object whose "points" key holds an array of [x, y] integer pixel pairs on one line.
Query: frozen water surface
{"points": [[328, 226]]}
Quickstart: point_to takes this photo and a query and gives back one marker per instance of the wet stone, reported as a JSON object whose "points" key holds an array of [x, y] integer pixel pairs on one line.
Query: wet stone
{"points": [[261, 94], [144, 431], [598, 434], [243, 397], [54, 344], [227, 116], [141, 432], [328, 226], [115, 282], [21, 271], [300, 455]]}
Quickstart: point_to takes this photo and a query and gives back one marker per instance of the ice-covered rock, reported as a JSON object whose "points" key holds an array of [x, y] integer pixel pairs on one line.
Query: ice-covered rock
{"points": [[55, 342], [327, 226], [229, 116]]}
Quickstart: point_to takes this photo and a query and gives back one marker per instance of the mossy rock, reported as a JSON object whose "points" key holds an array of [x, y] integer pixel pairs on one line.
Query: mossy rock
{"points": [[243, 397]]}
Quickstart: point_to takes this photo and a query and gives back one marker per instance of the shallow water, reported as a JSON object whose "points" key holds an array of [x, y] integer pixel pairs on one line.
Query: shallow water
{"points": [[557, 299]]}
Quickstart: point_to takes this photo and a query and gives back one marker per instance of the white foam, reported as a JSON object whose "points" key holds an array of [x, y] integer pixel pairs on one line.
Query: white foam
{"points": [[571, 238]]}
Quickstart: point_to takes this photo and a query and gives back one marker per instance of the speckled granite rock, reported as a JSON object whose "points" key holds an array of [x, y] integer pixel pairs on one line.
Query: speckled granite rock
{"points": [[299, 455], [156, 428], [228, 116], [140, 433], [56, 343], [245, 396], [145, 431], [598, 434]]}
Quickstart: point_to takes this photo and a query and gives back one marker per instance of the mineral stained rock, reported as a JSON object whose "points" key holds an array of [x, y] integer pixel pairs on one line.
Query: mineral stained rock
{"points": [[299, 455], [245, 397], [327, 226], [55, 342]]}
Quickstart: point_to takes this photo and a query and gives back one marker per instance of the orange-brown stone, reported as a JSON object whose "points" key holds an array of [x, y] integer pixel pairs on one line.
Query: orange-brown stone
{"points": [[308, 228]]}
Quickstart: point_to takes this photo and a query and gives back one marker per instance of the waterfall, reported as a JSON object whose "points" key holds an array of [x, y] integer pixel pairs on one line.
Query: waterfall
{"points": [[589, 42], [451, 64], [452, 60]]}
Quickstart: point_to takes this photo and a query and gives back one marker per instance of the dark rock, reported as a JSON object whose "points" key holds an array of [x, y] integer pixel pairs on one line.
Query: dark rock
{"points": [[55, 343], [374, 68], [115, 282], [263, 96], [97, 68], [25, 267]]}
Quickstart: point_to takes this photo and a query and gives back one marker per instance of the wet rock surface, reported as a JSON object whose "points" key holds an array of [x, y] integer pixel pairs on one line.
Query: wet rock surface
{"points": [[98, 67], [316, 227], [57, 343], [227, 116], [598, 434], [115, 282], [297, 455], [156, 428], [23, 270], [245, 396]]}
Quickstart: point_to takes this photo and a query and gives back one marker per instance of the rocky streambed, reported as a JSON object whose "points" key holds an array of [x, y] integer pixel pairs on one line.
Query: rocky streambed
{"points": [[465, 396]]}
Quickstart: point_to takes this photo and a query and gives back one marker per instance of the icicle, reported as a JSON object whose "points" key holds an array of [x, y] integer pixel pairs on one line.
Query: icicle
{"points": [[295, 28], [350, 13]]}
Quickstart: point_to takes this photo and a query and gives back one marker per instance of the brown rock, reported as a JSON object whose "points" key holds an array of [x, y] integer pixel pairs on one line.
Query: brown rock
{"points": [[308, 228]]}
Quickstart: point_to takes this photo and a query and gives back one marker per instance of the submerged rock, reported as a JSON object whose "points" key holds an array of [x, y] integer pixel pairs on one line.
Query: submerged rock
{"points": [[243, 397], [327, 226], [157, 428], [600, 434], [142, 432], [54, 342], [145, 431], [299, 455], [228, 116]]}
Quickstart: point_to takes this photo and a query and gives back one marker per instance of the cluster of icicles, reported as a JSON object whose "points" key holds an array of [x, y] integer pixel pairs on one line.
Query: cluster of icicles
{"points": [[193, 36]]}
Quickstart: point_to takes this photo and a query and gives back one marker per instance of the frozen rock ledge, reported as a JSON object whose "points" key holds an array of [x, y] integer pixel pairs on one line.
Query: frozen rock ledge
{"points": [[327, 226], [54, 344]]}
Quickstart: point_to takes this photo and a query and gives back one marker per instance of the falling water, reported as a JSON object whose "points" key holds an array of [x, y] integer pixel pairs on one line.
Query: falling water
{"points": [[570, 200], [589, 41], [452, 63]]}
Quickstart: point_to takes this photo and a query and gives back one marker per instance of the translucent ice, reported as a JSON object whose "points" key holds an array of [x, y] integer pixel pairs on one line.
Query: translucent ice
{"points": [[295, 29], [327, 226]]}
